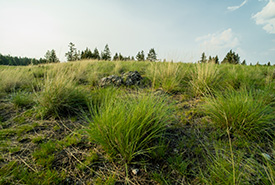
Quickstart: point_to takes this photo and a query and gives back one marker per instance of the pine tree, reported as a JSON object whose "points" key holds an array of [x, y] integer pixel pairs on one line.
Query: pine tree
{"points": [[203, 58], [106, 54], [87, 54], [231, 58], [152, 56], [140, 56], [51, 57], [244, 62], [216, 59], [115, 57], [95, 54], [72, 54]]}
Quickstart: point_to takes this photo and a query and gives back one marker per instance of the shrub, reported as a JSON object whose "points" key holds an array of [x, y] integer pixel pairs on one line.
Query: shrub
{"points": [[128, 127]]}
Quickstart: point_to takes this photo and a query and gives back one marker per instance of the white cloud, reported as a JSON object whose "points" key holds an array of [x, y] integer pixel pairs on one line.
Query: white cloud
{"points": [[233, 8], [266, 17], [219, 42]]}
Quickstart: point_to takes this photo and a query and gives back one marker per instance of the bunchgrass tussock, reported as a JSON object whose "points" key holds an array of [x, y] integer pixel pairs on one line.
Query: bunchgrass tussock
{"points": [[60, 96], [22, 99], [128, 126], [168, 76], [242, 112], [205, 79]]}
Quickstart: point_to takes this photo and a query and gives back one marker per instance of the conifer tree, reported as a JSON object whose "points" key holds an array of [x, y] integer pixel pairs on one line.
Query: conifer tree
{"points": [[231, 58], [152, 56], [72, 54], [106, 54], [203, 58], [51, 57], [95, 54], [115, 57], [140, 56]]}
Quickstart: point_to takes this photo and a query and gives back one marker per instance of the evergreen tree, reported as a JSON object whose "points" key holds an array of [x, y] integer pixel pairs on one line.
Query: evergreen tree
{"points": [[203, 58], [231, 58], [106, 54], [96, 55], [216, 59], [87, 54], [244, 62], [269, 64], [120, 57], [152, 56], [51, 57], [210, 59], [115, 57], [72, 54], [140, 56]]}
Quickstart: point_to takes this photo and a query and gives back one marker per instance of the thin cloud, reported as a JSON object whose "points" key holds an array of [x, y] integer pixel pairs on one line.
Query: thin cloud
{"points": [[266, 17], [219, 41], [233, 8]]}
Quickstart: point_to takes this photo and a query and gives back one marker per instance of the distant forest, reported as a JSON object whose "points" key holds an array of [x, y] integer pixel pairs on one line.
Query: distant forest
{"points": [[73, 55], [18, 61]]}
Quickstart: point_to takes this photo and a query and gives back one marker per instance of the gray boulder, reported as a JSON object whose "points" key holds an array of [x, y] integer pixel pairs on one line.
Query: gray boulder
{"points": [[128, 79], [111, 80], [132, 78]]}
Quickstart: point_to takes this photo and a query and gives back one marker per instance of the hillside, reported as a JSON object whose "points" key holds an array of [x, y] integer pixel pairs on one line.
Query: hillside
{"points": [[166, 123]]}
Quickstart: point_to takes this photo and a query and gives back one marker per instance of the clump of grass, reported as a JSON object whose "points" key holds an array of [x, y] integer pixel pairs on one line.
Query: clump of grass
{"points": [[22, 99], [241, 113], [60, 96], [223, 169], [128, 127], [168, 76], [14, 79], [205, 79]]}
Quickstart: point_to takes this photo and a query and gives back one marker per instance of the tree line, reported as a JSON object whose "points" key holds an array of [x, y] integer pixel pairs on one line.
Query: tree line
{"points": [[73, 55], [230, 58]]}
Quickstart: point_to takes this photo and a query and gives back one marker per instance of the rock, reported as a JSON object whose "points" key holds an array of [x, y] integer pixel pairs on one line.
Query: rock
{"points": [[132, 78], [128, 79], [111, 80], [135, 171]]}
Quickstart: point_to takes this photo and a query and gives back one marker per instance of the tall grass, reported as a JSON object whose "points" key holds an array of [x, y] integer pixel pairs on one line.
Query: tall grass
{"points": [[168, 76], [243, 112], [129, 126], [59, 95], [205, 79], [13, 79]]}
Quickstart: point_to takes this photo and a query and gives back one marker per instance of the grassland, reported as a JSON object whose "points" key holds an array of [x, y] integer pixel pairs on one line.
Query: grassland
{"points": [[192, 124]]}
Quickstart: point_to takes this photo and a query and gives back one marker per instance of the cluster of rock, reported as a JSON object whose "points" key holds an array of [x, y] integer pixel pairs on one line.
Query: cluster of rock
{"points": [[128, 79]]}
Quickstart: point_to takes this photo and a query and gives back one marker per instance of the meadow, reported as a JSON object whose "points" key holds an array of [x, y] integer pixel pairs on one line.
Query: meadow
{"points": [[186, 124]]}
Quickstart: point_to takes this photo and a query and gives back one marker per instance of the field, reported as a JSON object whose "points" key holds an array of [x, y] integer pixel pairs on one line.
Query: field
{"points": [[182, 124]]}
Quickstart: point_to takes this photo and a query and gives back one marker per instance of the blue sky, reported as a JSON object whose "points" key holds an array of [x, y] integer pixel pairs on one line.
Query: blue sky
{"points": [[179, 30]]}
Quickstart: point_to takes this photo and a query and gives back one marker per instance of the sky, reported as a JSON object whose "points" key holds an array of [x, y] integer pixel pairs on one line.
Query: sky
{"points": [[178, 30]]}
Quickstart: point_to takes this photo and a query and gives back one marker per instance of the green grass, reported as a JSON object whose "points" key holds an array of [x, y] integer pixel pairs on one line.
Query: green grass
{"points": [[241, 112], [129, 127], [59, 96], [191, 124]]}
